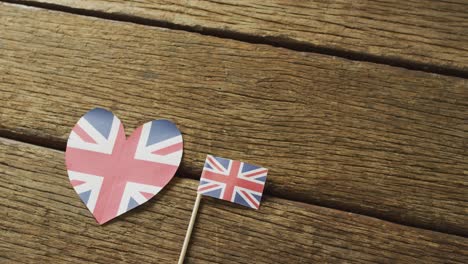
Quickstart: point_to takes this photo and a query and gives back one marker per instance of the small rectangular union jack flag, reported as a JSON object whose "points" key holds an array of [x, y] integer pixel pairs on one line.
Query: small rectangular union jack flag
{"points": [[232, 180]]}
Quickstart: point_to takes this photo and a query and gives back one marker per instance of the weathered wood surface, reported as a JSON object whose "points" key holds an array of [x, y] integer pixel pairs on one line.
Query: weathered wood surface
{"points": [[366, 138], [42, 220], [429, 32]]}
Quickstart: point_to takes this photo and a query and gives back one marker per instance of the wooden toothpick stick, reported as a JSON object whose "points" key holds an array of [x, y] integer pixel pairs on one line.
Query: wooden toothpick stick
{"points": [[189, 229]]}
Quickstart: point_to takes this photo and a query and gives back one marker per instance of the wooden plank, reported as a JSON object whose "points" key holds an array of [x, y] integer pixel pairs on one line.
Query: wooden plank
{"points": [[426, 31], [43, 220], [372, 139]]}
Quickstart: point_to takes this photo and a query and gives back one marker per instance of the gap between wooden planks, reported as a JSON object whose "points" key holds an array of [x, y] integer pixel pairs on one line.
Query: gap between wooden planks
{"points": [[426, 35], [366, 138], [43, 220]]}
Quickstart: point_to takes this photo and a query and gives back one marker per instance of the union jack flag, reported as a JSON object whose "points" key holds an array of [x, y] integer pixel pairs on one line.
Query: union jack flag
{"points": [[112, 174], [232, 180]]}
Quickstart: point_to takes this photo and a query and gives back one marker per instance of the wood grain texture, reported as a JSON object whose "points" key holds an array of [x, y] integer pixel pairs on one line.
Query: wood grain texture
{"points": [[44, 221], [360, 137], [427, 31]]}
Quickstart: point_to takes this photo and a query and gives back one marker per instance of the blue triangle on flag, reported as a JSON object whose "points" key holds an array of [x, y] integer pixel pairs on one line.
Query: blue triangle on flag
{"points": [[257, 197], [131, 204], [101, 120], [208, 166], [262, 179], [215, 193], [238, 199], [161, 130], [224, 162], [85, 196], [249, 167], [203, 182]]}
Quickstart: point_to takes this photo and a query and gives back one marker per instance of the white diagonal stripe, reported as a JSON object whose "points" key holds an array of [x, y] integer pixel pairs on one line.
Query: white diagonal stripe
{"points": [[132, 190], [91, 182]]}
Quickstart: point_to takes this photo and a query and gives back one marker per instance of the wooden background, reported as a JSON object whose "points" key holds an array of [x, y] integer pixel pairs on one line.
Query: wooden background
{"points": [[358, 109]]}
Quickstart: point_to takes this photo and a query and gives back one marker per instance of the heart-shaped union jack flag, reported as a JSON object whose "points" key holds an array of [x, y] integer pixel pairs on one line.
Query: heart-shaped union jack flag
{"points": [[112, 174]]}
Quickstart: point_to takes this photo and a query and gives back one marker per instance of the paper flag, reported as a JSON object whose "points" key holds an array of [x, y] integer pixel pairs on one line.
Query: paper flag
{"points": [[232, 180], [113, 174]]}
